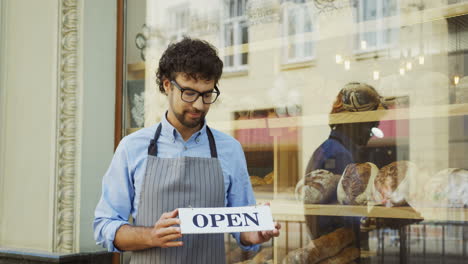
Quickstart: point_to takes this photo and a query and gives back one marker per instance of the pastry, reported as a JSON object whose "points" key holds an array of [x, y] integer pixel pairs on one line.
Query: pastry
{"points": [[263, 256], [255, 180], [269, 178], [391, 185], [318, 187], [355, 185], [298, 256], [345, 256]]}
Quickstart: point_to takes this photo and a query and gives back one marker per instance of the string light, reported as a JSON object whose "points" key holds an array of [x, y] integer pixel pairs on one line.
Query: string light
{"points": [[402, 71], [376, 75], [456, 79], [409, 65], [347, 65], [421, 60], [338, 59], [363, 44]]}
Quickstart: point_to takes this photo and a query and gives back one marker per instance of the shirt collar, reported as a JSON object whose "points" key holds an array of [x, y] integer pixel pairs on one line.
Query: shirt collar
{"points": [[170, 131]]}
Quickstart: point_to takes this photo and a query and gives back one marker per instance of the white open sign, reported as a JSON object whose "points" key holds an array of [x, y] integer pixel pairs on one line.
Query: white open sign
{"points": [[225, 219]]}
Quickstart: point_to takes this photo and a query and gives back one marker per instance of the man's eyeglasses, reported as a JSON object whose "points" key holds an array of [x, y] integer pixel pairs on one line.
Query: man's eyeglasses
{"points": [[189, 95]]}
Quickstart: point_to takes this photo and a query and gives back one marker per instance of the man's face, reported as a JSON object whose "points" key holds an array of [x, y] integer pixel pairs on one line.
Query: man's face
{"points": [[192, 114]]}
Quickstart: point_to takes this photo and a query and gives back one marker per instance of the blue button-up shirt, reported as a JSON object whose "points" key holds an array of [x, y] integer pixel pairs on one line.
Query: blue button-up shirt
{"points": [[122, 183]]}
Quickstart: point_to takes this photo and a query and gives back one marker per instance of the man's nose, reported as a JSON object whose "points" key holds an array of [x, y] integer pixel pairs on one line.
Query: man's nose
{"points": [[198, 104]]}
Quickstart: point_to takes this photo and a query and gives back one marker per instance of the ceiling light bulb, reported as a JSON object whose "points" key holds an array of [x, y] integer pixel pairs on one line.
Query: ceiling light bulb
{"points": [[402, 71], [456, 79]]}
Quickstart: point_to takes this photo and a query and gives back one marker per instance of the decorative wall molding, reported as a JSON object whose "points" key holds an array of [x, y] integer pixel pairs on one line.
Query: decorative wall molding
{"points": [[67, 122]]}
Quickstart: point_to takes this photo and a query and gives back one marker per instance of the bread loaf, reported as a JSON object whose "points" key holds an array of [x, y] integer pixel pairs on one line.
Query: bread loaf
{"points": [[448, 188], [318, 187], [345, 256], [391, 185], [355, 185]]}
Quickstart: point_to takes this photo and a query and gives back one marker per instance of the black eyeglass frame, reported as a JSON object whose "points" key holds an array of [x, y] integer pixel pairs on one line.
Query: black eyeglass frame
{"points": [[216, 91]]}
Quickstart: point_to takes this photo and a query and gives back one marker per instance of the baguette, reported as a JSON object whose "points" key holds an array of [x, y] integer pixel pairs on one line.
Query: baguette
{"points": [[321, 248], [330, 244], [345, 256]]}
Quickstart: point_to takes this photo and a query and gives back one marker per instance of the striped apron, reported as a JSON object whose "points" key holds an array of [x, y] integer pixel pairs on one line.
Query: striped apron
{"points": [[172, 183]]}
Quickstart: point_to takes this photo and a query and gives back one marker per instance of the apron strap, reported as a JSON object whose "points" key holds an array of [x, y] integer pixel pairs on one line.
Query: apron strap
{"points": [[214, 152], [153, 147]]}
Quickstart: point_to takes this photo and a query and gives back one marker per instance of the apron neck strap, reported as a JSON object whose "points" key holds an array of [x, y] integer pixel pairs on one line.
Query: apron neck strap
{"points": [[153, 147], [214, 152]]}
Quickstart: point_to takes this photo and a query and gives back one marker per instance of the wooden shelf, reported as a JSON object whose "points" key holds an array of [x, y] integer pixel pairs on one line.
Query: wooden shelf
{"points": [[131, 130], [341, 118], [134, 67], [136, 71], [291, 209]]}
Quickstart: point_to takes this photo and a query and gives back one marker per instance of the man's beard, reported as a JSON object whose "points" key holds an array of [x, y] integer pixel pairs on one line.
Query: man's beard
{"points": [[190, 123]]}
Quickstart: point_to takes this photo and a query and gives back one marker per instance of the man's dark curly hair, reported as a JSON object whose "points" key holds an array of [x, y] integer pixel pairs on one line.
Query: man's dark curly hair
{"points": [[196, 58]]}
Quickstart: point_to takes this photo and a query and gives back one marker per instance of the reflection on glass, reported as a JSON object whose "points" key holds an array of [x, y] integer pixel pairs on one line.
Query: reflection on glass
{"points": [[297, 16], [236, 34], [414, 53]]}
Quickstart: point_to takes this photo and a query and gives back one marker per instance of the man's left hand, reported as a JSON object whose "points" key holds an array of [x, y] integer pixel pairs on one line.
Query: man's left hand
{"points": [[258, 237], [252, 238]]}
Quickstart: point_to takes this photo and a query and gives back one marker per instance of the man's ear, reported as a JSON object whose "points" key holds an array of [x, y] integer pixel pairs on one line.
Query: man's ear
{"points": [[166, 85]]}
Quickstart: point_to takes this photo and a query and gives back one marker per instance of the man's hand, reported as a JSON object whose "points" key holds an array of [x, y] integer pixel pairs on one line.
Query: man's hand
{"points": [[250, 238], [162, 234], [164, 231]]}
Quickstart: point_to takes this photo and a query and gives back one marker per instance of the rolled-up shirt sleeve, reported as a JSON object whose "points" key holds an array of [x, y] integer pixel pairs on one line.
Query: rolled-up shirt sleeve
{"points": [[240, 192], [115, 205]]}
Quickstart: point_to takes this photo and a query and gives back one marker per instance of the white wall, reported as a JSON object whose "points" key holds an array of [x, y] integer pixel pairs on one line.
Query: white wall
{"points": [[28, 103], [29, 123], [99, 43], [2, 98]]}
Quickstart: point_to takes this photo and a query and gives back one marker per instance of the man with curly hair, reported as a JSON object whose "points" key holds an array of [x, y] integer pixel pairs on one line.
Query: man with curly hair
{"points": [[177, 163]]}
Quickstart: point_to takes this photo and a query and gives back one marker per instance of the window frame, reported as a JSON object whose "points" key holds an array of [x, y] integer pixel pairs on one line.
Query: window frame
{"points": [[380, 25], [177, 33], [299, 38], [236, 22]]}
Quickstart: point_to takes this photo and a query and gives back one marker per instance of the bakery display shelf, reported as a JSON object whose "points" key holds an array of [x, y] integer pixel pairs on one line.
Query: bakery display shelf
{"points": [[294, 209], [419, 112]]}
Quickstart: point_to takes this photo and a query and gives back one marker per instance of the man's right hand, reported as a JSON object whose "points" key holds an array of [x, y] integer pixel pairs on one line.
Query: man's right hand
{"points": [[164, 231]]}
